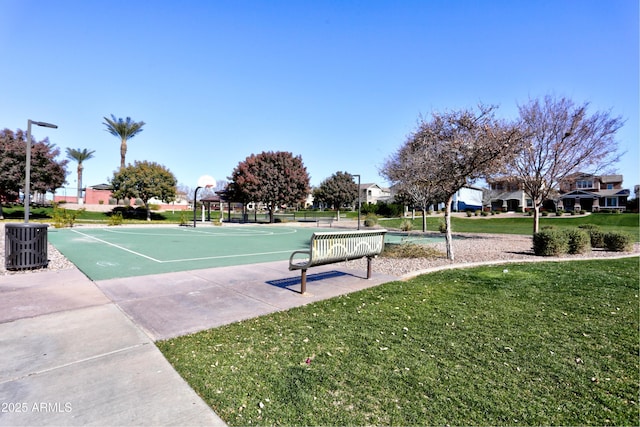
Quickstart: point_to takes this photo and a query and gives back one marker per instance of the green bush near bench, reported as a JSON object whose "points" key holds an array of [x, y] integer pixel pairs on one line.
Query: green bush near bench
{"points": [[618, 242], [552, 242]]}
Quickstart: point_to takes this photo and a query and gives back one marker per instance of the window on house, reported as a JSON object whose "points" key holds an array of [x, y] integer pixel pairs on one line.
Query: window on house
{"points": [[609, 186], [584, 184], [611, 202]]}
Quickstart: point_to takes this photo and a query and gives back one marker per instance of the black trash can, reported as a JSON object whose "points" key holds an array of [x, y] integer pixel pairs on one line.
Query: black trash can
{"points": [[25, 246]]}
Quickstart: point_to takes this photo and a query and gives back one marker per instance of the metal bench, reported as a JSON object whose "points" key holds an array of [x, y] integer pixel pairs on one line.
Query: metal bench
{"points": [[328, 220], [337, 246]]}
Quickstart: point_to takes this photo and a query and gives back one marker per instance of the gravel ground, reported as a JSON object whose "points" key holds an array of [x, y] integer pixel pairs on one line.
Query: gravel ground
{"points": [[474, 248], [469, 248]]}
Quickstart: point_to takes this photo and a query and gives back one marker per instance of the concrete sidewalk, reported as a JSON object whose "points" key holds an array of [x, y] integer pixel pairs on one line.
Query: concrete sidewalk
{"points": [[75, 352]]}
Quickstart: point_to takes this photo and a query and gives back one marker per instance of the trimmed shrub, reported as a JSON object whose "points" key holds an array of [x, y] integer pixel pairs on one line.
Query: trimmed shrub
{"points": [[550, 243], [469, 214], [184, 220], [115, 219], [370, 220], [559, 212], [406, 225], [389, 209], [596, 236], [578, 241], [588, 227], [618, 242], [65, 218], [442, 226]]}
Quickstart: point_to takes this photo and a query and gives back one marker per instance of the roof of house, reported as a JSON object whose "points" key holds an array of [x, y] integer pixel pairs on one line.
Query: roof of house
{"points": [[594, 194], [101, 187], [610, 178]]}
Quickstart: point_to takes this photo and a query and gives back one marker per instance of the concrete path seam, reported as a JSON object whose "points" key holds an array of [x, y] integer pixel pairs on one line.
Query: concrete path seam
{"points": [[76, 362]]}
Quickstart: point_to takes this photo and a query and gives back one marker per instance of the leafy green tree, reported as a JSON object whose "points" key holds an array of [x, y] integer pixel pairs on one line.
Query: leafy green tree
{"points": [[274, 178], [144, 180], [79, 155], [123, 129], [47, 173], [337, 190], [12, 161]]}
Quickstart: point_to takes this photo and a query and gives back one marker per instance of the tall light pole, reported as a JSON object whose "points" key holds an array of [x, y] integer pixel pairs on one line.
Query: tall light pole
{"points": [[358, 199], [27, 173]]}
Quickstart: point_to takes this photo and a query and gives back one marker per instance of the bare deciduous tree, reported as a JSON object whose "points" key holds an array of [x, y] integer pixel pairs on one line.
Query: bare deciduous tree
{"points": [[410, 174], [561, 138], [455, 149]]}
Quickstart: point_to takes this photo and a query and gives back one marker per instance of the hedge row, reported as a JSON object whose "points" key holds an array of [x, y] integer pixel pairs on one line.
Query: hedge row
{"points": [[551, 242]]}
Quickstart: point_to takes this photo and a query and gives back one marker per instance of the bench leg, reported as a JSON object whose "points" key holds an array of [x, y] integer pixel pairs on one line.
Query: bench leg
{"points": [[369, 267], [303, 282]]}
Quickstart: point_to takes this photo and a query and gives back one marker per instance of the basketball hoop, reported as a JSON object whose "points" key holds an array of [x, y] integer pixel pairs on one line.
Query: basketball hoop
{"points": [[205, 181]]}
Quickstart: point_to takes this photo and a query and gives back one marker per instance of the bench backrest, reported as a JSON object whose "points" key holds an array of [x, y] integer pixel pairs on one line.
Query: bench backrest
{"points": [[333, 246]]}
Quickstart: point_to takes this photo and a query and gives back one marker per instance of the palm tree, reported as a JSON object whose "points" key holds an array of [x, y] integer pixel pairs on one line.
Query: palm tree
{"points": [[124, 129], [79, 155]]}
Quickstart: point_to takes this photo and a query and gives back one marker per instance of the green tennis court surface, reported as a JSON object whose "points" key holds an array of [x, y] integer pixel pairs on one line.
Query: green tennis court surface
{"points": [[112, 252]]}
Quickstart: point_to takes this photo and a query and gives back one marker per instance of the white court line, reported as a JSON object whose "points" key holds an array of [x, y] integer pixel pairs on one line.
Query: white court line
{"points": [[117, 246], [182, 232], [181, 260]]}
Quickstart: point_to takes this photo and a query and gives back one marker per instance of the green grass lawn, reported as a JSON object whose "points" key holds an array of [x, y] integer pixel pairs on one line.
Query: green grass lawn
{"points": [[523, 344], [628, 223], [46, 215]]}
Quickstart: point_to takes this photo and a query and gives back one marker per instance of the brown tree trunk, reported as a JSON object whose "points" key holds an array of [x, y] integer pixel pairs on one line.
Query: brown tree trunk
{"points": [[79, 182], [123, 152], [424, 217], [447, 221], [536, 217]]}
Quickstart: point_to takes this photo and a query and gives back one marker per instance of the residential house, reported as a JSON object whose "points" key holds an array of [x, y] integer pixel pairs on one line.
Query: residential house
{"points": [[468, 198], [506, 194], [101, 194], [373, 193], [588, 192]]}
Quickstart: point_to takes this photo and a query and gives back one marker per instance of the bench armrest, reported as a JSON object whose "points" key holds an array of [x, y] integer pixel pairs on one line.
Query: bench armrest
{"points": [[299, 265]]}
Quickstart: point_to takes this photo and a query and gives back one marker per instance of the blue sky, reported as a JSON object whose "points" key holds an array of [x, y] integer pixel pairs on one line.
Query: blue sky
{"points": [[341, 83]]}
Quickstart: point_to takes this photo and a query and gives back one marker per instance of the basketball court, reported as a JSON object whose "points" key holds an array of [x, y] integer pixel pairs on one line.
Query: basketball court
{"points": [[112, 252]]}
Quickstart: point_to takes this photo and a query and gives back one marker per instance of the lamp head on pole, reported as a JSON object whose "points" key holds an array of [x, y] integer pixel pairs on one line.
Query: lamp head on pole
{"points": [[44, 124]]}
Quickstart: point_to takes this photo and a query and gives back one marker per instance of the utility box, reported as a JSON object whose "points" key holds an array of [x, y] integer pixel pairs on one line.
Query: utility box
{"points": [[25, 246]]}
